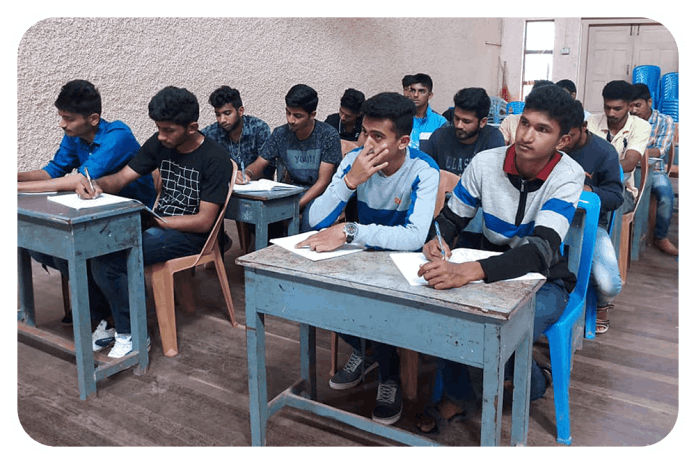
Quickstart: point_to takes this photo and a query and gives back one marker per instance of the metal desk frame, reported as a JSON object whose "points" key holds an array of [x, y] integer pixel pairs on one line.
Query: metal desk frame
{"points": [[479, 325], [78, 235]]}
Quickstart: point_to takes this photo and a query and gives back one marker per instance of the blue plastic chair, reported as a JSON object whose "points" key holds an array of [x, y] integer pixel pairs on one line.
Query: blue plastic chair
{"points": [[515, 107], [580, 241], [669, 86], [650, 76], [670, 107]]}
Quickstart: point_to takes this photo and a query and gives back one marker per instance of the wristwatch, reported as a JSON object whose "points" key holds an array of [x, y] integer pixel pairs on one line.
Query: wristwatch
{"points": [[350, 229]]}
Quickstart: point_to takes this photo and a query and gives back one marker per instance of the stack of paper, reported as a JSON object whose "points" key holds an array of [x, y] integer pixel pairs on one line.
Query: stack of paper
{"points": [[73, 201], [261, 185]]}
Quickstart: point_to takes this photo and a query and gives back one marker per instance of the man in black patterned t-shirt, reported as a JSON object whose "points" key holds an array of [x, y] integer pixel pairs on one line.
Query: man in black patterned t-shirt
{"points": [[196, 173]]}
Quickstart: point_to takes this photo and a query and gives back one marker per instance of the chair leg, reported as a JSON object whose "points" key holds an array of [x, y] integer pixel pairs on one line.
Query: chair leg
{"points": [[243, 234], [559, 349], [334, 353], [185, 292], [163, 293], [224, 284], [409, 373], [590, 313], [65, 285], [652, 213]]}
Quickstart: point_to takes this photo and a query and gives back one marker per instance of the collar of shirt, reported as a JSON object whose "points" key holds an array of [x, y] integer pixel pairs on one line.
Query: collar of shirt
{"points": [[101, 130], [510, 168]]}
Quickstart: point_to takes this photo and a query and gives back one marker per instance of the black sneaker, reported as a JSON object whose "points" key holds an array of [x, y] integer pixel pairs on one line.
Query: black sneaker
{"points": [[389, 404], [352, 373]]}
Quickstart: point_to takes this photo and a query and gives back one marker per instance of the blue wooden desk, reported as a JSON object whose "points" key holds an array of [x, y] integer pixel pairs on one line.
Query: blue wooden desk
{"points": [[264, 208], [364, 294], [78, 235]]}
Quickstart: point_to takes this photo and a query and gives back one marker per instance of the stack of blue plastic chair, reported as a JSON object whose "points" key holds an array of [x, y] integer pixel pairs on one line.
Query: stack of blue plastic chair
{"points": [[497, 110], [669, 86], [581, 243], [515, 107], [650, 76], [670, 107]]}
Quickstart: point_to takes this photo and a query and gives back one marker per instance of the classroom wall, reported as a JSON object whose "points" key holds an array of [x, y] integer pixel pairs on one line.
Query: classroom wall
{"points": [[130, 59]]}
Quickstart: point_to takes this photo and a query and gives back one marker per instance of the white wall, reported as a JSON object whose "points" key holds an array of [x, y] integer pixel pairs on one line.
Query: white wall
{"points": [[130, 59]]}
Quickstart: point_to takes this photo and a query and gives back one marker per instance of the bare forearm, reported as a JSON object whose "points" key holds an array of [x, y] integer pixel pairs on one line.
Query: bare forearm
{"points": [[199, 223], [32, 176], [59, 184]]}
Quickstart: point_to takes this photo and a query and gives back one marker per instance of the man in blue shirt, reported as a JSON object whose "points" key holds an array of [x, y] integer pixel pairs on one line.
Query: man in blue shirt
{"points": [[426, 120], [90, 144]]}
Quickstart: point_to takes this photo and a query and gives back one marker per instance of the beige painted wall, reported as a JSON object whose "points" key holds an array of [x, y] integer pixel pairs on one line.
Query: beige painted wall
{"points": [[130, 59]]}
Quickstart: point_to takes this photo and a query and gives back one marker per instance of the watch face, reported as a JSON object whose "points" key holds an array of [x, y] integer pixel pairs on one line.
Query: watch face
{"points": [[350, 230]]}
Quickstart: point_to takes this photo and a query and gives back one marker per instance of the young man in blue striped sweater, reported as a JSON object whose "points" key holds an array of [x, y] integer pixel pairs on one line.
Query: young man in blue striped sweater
{"points": [[528, 192], [396, 188]]}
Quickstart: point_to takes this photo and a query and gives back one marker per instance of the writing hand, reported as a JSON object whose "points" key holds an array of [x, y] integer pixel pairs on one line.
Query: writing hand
{"points": [[241, 178], [432, 250], [84, 190], [442, 274]]}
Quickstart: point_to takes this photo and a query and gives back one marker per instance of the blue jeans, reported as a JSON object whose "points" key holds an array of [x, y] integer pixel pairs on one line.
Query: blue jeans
{"points": [[605, 276], [551, 300], [110, 271], [663, 193]]}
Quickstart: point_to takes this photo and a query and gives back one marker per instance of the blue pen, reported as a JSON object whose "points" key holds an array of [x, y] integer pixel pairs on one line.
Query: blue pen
{"points": [[243, 172], [439, 240]]}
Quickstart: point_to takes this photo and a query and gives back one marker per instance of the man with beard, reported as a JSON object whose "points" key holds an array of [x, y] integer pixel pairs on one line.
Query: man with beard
{"points": [[629, 134], [308, 150], [453, 146], [242, 135]]}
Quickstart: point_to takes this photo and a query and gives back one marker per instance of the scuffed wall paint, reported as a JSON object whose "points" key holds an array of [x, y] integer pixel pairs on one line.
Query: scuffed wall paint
{"points": [[130, 59]]}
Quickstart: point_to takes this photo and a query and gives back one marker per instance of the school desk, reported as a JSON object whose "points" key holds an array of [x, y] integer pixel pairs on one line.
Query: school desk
{"points": [[78, 235], [364, 294], [266, 207]]}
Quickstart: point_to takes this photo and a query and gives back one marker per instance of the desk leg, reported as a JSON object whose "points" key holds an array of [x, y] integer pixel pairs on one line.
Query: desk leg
{"points": [[25, 288], [256, 365], [294, 223], [493, 378], [82, 327], [261, 230], [522, 382], [138, 310], [308, 345]]}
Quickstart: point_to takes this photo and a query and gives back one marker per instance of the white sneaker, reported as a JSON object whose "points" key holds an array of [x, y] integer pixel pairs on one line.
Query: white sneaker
{"points": [[124, 345], [102, 337]]}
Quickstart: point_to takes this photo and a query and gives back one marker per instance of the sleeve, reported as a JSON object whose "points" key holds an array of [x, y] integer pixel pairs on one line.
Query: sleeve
{"points": [[608, 184], [495, 140], [270, 149], [505, 131], [262, 135], [65, 159], [327, 207], [145, 160], [116, 148], [639, 136], [216, 178], [663, 135]]}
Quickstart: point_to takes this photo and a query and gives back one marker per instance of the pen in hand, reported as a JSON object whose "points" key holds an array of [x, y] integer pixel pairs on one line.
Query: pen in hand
{"points": [[89, 179], [439, 241]]}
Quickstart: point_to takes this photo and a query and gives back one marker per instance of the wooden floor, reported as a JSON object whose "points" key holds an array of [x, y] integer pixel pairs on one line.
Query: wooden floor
{"points": [[624, 387]]}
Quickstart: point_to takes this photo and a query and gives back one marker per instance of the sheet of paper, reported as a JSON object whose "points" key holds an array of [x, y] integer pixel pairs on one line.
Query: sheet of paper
{"points": [[409, 263], [261, 185], [73, 201], [289, 244]]}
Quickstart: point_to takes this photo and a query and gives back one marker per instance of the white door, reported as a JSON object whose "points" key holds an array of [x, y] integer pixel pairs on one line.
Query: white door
{"points": [[614, 50]]}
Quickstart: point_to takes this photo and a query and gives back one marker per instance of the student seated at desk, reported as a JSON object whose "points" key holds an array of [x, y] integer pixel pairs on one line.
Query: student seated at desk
{"points": [[661, 139], [509, 125], [627, 133], [528, 193], [196, 173], [396, 187], [90, 145], [348, 120], [426, 121], [308, 149], [602, 176]]}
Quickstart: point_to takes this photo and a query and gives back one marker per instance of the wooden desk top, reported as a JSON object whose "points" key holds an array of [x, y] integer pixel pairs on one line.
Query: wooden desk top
{"points": [[37, 207], [374, 271]]}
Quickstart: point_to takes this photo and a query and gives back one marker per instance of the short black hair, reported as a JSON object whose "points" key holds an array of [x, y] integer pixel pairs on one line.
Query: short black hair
{"points": [[173, 104], [641, 92], [577, 114], [80, 97], [224, 95], [568, 85], [540, 83], [618, 90], [352, 100], [555, 102], [407, 80], [393, 106], [302, 96], [473, 99], [423, 79]]}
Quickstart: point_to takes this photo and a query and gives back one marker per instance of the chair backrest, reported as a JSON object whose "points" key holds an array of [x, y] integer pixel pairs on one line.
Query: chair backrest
{"points": [[580, 240], [496, 113], [671, 108], [613, 214], [448, 181], [644, 166], [157, 181], [213, 237], [669, 86], [650, 76]]}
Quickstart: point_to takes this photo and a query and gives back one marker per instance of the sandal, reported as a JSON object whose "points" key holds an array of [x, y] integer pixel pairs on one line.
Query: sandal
{"points": [[427, 421], [603, 319]]}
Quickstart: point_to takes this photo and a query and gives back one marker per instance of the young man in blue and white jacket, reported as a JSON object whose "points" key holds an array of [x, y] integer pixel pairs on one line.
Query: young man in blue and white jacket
{"points": [[528, 192], [396, 188]]}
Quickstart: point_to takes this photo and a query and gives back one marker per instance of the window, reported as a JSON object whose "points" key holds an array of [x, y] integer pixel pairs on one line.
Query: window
{"points": [[538, 53]]}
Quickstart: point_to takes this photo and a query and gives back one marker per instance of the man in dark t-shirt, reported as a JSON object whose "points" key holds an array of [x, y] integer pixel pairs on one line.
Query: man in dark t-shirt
{"points": [[453, 146], [196, 174]]}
